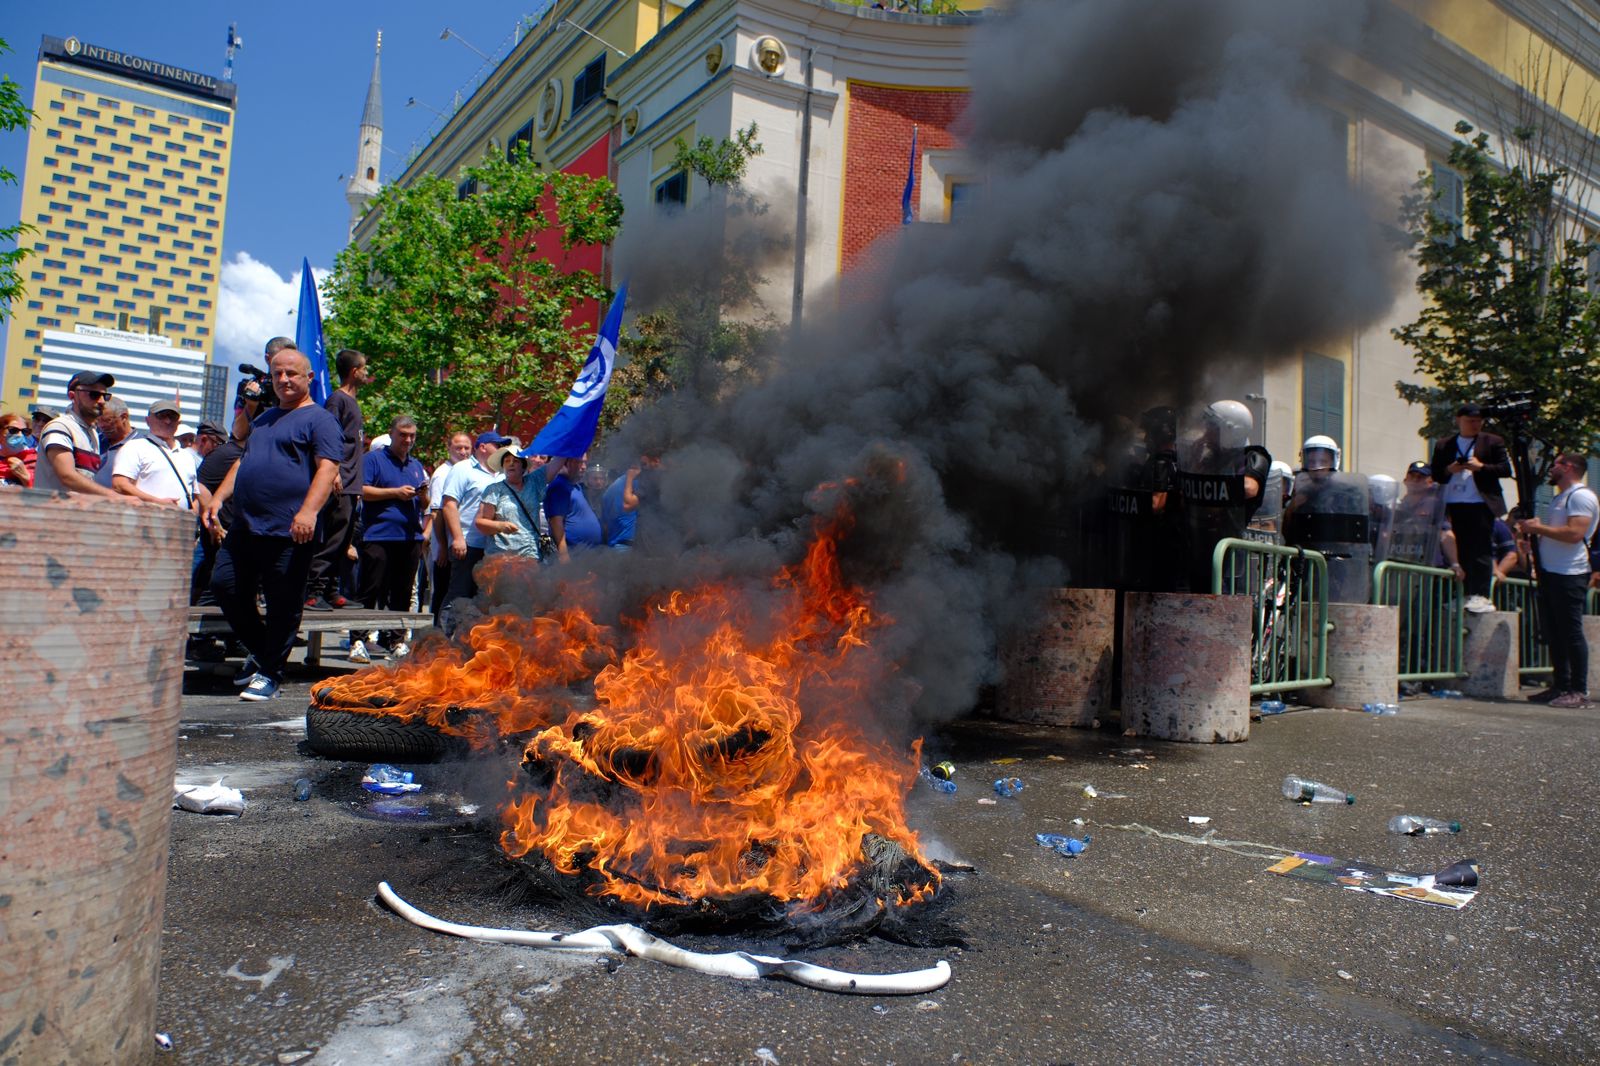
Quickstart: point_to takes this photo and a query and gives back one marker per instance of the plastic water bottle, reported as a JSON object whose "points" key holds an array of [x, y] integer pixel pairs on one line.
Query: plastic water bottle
{"points": [[1273, 707], [1008, 786], [1381, 708], [1308, 791], [1063, 845], [1415, 825], [938, 784], [1448, 694], [302, 790]]}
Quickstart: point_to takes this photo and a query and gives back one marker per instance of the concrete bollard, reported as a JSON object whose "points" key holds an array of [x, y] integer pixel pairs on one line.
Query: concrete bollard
{"points": [[1057, 671], [1491, 657], [1591, 636], [1363, 657], [96, 592], [1186, 667]]}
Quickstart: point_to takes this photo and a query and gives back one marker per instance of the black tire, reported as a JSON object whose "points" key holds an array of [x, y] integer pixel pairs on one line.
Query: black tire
{"points": [[360, 737]]}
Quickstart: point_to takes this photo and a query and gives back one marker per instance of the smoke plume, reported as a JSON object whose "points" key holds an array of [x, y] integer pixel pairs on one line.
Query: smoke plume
{"points": [[1163, 198]]}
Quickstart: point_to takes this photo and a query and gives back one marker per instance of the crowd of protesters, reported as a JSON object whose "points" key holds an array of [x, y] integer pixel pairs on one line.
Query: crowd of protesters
{"points": [[297, 509]]}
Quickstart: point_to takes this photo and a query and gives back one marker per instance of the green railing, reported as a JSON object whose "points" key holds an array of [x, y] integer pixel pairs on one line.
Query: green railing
{"points": [[1520, 595], [1591, 602], [1432, 628], [1288, 590]]}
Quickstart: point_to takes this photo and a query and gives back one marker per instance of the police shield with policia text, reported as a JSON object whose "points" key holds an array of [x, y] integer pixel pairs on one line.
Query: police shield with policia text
{"points": [[1143, 504], [1221, 477]]}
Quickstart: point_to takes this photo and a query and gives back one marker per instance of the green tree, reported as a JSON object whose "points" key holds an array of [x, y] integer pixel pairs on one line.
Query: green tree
{"points": [[14, 115], [711, 332], [1508, 312], [460, 314]]}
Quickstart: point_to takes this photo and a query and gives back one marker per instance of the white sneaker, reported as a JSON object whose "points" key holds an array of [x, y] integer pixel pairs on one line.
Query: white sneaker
{"points": [[400, 650], [1479, 604], [358, 652]]}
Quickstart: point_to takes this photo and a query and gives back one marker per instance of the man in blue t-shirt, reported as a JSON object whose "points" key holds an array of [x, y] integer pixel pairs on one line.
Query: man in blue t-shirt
{"points": [[619, 507], [278, 488], [394, 497], [572, 521]]}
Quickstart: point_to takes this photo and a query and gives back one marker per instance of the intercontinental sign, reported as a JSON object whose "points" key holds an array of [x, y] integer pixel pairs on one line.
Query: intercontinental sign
{"points": [[149, 70]]}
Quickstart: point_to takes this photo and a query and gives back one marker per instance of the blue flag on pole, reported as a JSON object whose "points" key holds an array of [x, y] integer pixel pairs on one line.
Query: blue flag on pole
{"points": [[308, 335], [911, 177], [571, 431]]}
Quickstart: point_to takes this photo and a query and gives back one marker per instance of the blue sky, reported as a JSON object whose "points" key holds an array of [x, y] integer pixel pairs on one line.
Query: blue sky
{"points": [[302, 78]]}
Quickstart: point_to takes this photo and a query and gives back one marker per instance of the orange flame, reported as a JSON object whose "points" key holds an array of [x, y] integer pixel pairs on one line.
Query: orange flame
{"points": [[728, 753]]}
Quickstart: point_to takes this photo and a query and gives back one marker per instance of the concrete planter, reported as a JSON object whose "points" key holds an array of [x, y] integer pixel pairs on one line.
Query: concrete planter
{"points": [[1058, 670], [1186, 667], [1361, 657], [1491, 657], [97, 591]]}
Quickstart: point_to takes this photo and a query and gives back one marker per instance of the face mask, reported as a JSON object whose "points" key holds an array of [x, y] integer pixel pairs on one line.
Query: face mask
{"points": [[16, 441]]}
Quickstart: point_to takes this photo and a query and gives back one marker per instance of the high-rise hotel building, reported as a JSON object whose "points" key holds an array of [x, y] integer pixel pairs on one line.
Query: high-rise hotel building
{"points": [[126, 188]]}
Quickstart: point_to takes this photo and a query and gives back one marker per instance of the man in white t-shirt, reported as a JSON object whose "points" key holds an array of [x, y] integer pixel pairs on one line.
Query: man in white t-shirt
{"points": [[435, 535], [153, 467], [69, 446], [1564, 579], [116, 429]]}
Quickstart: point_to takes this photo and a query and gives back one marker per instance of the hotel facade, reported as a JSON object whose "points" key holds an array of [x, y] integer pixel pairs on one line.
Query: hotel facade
{"points": [[125, 188], [606, 87]]}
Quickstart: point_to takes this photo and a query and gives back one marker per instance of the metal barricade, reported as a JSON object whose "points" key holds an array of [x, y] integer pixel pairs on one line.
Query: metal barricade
{"points": [[1521, 595], [1591, 602], [1288, 590], [1432, 627]]}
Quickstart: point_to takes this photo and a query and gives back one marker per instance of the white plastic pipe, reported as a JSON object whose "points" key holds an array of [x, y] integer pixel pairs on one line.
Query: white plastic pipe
{"points": [[631, 940]]}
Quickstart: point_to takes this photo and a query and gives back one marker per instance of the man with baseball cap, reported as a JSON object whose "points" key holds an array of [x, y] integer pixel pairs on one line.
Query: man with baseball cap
{"points": [[151, 466], [69, 446], [463, 494]]}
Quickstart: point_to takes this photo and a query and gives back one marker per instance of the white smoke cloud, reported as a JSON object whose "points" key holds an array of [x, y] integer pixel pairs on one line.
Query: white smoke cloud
{"points": [[256, 304]]}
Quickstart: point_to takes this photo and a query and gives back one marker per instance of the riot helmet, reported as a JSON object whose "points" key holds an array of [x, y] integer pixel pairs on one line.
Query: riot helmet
{"points": [[1160, 425], [1232, 423], [1385, 490], [1320, 453], [1285, 477]]}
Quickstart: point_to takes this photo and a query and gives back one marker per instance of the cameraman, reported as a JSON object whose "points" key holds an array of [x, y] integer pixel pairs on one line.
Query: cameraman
{"points": [[255, 394], [1470, 465]]}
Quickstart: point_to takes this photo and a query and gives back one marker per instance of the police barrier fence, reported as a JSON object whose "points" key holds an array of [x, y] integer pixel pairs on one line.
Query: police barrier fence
{"points": [[1288, 588], [1520, 595], [1432, 629]]}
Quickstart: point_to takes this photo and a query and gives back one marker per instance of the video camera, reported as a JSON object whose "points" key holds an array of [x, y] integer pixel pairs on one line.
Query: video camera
{"points": [[257, 386], [1511, 407]]}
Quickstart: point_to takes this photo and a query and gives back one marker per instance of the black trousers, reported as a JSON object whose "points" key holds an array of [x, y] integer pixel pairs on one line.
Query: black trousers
{"points": [[441, 585], [461, 583], [338, 526], [276, 567], [200, 577], [1473, 525], [1561, 599], [388, 573]]}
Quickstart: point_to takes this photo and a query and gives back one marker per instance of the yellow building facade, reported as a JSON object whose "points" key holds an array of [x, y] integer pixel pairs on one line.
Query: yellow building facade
{"points": [[125, 188]]}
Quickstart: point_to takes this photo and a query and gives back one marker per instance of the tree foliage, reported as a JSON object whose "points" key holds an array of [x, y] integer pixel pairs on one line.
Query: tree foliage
{"points": [[14, 115], [719, 162], [1508, 308], [464, 304]]}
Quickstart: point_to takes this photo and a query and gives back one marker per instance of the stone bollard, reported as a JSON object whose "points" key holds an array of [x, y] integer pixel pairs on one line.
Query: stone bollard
{"points": [[1491, 657], [1363, 657], [1591, 637], [1186, 667], [97, 594], [1057, 671]]}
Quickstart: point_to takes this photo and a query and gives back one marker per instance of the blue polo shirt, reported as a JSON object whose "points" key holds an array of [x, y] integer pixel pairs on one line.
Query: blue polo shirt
{"points": [[565, 500], [279, 461], [392, 520]]}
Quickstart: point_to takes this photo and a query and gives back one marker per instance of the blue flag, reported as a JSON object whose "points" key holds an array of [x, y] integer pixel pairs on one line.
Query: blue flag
{"points": [[911, 177], [571, 431], [308, 335]]}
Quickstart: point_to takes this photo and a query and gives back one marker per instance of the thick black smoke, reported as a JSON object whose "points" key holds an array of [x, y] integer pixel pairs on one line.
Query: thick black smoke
{"points": [[1163, 199]]}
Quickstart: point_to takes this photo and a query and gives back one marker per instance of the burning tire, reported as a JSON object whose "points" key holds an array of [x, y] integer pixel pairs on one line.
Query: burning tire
{"points": [[368, 737]]}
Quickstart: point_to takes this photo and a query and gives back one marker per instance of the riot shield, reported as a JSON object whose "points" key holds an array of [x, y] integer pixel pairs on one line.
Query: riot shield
{"points": [[1385, 491], [1266, 525], [1215, 504], [1414, 531], [1331, 513]]}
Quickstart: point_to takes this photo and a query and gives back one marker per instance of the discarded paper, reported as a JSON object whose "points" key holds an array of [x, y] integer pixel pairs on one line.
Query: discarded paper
{"points": [[215, 798], [1454, 886]]}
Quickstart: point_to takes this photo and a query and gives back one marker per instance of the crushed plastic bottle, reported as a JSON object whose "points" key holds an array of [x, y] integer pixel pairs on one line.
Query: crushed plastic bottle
{"points": [[1305, 790], [302, 790], [1063, 845], [389, 780], [1008, 786], [1381, 708], [1273, 707], [1415, 825], [938, 784]]}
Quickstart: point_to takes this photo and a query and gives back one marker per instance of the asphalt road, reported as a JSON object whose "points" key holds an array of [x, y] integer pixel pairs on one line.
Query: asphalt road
{"points": [[1143, 949]]}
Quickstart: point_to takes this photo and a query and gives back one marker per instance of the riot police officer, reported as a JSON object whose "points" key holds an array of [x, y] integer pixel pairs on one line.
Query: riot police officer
{"points": [[1331, 513], [1144, 508], [1222, 479]]}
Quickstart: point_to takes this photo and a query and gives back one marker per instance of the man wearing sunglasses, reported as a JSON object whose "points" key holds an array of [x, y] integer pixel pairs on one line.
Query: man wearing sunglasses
{"points": [[69, 446], [152, 467]]}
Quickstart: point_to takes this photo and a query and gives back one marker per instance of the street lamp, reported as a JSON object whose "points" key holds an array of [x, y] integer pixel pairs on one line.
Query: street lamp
{"points": [[449, 33], [596, 36], [414, 102]]}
